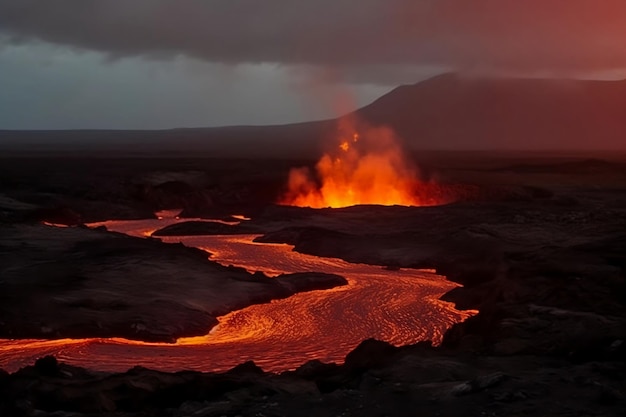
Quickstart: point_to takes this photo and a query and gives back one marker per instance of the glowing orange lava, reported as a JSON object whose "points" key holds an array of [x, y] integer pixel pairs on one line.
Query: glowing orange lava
{"points": [[401, 307], [367, 167]]}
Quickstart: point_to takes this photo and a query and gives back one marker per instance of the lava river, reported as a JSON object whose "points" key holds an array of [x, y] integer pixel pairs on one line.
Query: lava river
{"points": [[400, 307]]}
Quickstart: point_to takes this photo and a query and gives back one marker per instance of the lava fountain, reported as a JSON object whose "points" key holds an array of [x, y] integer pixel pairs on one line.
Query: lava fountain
{"points": [[368, 166]]}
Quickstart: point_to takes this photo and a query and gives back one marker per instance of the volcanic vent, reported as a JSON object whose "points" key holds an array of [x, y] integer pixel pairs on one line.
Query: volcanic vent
{"points": [[366, 166]]}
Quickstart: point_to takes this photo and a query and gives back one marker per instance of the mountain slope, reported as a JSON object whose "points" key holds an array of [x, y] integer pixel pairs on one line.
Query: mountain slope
{"points": [[452, 112]]}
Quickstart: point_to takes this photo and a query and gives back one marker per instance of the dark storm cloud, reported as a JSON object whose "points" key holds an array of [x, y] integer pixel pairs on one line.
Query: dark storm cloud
{"points": [[371, 35]]}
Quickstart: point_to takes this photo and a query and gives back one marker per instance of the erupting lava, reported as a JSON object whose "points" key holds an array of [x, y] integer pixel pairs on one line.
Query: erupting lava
{"points": [[368, 167]]}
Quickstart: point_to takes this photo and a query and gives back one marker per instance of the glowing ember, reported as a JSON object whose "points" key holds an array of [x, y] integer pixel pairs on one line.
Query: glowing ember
{"points": [[240, 217], [54, 224], [366, 168]]}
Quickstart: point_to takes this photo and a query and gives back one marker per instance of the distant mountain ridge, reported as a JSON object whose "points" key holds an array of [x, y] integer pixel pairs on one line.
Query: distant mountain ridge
{"points": [[447, 112], [454, 112]]}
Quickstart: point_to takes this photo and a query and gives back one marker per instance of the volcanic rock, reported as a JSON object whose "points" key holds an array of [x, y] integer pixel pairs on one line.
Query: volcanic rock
{"points": [[369, 354], [77, 282], [195, 228]]}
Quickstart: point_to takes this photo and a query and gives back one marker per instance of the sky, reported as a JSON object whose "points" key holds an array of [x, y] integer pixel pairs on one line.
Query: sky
{"points": [[153, 64]]}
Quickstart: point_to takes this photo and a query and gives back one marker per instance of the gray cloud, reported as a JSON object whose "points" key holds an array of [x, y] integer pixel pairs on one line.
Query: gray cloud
{"points": [[368, 40], [54, 87]]}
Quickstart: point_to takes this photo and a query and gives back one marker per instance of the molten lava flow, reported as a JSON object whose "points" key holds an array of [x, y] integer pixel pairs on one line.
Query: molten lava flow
{"points": [[400, 307], [367, 167]]}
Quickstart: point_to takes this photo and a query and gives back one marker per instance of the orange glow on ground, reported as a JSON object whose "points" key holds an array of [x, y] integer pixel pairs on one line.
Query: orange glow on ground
{"points": [[368, 167], [54, 224], [240, 217]]}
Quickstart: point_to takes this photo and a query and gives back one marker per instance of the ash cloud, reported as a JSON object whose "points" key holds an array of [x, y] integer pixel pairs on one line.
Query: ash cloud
{"points": [[370, 40]]}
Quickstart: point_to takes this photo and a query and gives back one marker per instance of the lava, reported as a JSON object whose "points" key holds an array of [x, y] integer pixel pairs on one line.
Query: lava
{"points": [[368, 166], [400, 307]]}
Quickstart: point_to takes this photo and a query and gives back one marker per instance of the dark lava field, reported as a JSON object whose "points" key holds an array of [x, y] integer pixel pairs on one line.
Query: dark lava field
{"points": [[538, 243]]}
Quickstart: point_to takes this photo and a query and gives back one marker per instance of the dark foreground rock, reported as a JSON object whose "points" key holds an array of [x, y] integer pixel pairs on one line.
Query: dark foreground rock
{"points": [[78, 282], [196, 228], [376, 380]]}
